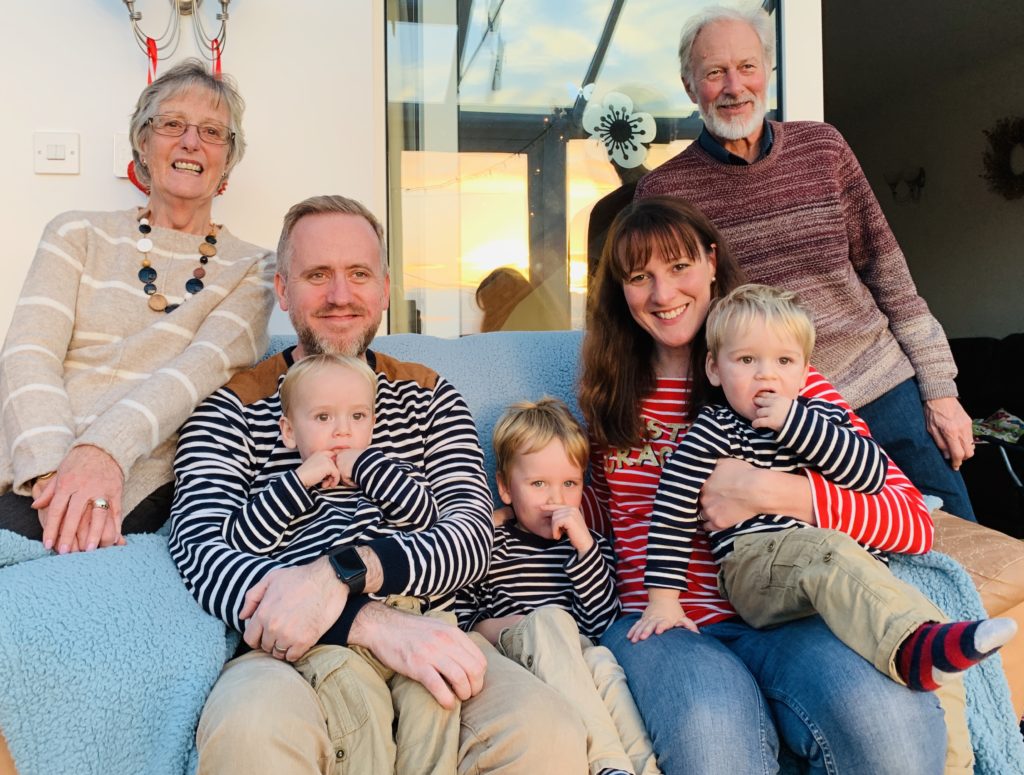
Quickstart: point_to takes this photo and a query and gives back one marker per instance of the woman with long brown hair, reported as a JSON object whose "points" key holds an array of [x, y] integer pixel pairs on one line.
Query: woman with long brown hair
{"points": [[719, 701]]}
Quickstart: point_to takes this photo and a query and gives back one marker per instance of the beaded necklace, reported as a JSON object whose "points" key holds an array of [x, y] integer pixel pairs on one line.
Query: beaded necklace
{"points": [[147, 274]]}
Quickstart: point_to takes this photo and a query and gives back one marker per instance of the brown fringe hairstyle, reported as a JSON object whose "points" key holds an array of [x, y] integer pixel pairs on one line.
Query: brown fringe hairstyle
{"points": [[618, 355]]}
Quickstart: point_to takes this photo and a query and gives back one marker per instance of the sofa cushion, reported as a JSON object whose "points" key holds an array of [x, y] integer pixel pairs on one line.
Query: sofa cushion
{"points": [[994, 560]]}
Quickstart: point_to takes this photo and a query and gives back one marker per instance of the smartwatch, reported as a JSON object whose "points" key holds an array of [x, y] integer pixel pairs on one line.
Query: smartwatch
{"points": [[350, 569]]}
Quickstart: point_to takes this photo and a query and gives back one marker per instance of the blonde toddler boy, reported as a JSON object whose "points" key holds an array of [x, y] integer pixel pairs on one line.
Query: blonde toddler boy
{"points": [[551, 585], [343, 494]]}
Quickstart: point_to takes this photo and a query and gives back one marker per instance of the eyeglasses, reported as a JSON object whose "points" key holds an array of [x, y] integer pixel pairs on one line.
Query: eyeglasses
{"points": [[172, 126]]}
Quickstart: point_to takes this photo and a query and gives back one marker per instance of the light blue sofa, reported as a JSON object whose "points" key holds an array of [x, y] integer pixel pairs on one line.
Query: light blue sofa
{"points": [[105, 659]]}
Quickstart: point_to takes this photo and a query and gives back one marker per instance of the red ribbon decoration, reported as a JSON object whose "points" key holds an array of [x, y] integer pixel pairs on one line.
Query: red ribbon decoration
{"points": [[135, 178], [151, 53], [215, 45]]}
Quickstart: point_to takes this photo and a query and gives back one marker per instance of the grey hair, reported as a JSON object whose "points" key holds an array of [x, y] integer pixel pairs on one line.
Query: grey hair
{"points": [[186, 76], [326, 204], [755, 16]]}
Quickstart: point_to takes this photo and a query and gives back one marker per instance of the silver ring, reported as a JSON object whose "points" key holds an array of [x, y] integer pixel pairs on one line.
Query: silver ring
{"points": [[101, 503], [276, 650]]}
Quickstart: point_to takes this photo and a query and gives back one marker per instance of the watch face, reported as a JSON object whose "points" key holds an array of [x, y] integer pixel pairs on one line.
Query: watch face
{"points": [[350, 568], [347, 562]]}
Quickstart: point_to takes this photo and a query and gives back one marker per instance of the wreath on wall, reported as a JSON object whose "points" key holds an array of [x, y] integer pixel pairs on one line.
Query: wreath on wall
{"points": [[1003, 138]]}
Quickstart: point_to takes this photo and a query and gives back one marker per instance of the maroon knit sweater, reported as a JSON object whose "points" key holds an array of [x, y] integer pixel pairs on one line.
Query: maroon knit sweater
{"points": [[804, 218]]}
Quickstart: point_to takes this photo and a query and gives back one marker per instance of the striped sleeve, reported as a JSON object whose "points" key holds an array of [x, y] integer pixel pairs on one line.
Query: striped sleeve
{"points": [[528, 572], [674, 521], [397, 489], [259, 526], [233, 336], [824, 438], [38, 421], [215, 466], [456, 549], [893, 520], [595, 603]]}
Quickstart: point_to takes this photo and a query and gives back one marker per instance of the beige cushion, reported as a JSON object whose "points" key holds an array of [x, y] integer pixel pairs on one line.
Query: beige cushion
{"points": [[994, 560]]}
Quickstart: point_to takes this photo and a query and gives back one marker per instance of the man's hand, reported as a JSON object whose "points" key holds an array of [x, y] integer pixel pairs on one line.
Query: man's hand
{"points": [[772, 410], [319, 468], [438, 655], [736, 491], [568, 521], [663, 612], [725, 499], [290, 608], [950, 426]]}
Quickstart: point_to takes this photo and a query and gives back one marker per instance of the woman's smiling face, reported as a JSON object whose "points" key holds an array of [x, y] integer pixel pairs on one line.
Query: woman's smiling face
{"points": [[187, 168], [669, 298]]}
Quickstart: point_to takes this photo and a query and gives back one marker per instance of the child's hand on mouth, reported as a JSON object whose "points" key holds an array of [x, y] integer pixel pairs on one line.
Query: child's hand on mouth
{"points": [[772, 410]]}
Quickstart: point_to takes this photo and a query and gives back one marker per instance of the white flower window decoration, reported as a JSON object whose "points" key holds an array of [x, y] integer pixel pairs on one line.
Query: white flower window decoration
{"points": [[623, 132]]}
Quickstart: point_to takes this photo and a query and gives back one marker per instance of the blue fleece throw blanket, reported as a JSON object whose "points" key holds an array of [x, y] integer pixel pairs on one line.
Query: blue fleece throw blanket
{"points": [[995, 734], [106, 660]]}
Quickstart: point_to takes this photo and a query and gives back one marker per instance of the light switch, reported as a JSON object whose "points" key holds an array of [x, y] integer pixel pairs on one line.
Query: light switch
{"points": [[55, 153]]}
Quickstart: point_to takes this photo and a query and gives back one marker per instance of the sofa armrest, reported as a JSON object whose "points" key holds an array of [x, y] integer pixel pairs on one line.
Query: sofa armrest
{"points": [[995, 562]]}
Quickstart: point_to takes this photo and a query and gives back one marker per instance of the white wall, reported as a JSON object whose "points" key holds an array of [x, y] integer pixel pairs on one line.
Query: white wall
{"points": [[964, 244], [800, 46], [311, 73]]}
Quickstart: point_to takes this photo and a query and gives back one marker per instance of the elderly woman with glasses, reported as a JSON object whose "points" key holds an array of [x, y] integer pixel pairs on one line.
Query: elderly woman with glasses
{"points": [[126, 321]]}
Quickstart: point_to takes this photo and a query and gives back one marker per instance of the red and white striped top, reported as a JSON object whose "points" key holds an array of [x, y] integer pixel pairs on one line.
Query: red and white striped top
{"points": [[624, 483]]}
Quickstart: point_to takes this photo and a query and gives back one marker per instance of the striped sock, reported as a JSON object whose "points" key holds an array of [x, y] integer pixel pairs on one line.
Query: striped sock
{"points": [[935, 653]]}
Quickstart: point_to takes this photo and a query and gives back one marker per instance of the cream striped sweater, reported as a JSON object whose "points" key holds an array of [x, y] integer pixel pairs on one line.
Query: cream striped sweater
{"points": [[87, 361], [804, 218]]}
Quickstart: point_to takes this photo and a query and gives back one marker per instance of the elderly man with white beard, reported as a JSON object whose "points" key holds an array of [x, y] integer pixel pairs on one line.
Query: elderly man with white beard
{"points": [[798, 213]]}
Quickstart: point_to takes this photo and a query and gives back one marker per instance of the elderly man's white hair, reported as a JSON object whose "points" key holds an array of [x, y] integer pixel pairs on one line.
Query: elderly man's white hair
{"points": [[755, 16]]}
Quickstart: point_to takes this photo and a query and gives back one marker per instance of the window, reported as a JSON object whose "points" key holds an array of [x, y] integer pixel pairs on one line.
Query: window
{"points": [[494, 164]]}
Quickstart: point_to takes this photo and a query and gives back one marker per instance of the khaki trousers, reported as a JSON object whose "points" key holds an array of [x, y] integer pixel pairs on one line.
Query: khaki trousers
{"points": [[547, 642], [773, 578], [328, 715]]}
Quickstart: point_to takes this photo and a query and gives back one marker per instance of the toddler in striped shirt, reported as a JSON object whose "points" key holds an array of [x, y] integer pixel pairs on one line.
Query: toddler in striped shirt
{"points": [[775, 568], [550, 588], [343, 494]]}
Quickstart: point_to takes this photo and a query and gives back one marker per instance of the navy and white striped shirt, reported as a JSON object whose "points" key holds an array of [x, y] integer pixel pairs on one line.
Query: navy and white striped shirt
{"points": [[816, 434], [528, 571], [230, 449], [291, 523]]}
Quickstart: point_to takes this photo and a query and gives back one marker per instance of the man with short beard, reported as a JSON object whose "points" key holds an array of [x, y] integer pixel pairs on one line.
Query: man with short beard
{"points": [[294, 703], [798, 213]]}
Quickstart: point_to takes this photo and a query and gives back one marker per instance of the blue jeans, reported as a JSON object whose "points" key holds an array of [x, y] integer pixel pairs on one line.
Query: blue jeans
{"points": [[896, 420], [717, 703]]}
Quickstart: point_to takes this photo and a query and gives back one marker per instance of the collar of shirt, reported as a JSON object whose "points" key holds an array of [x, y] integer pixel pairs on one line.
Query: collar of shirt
{"points": [[719, 152]]}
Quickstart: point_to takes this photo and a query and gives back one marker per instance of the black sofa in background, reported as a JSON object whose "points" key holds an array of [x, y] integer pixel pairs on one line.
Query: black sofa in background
{"points": [[991, 377]]}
